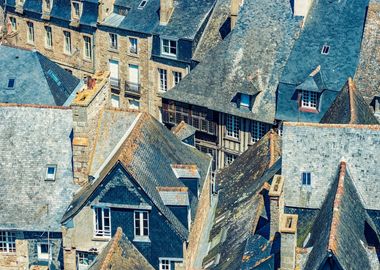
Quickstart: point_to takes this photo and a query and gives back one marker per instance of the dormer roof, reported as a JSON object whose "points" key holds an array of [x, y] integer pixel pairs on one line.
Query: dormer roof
{"points": [[314, 82]]}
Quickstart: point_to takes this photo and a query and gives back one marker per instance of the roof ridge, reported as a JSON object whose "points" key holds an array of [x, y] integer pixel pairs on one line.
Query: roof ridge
{"points": [[115, 240], [36, 106], [351, 92], [310, 124], [335, 220]]}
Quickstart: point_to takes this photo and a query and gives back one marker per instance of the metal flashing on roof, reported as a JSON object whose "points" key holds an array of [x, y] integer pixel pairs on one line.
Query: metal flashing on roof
{"points": [[185, 171]]}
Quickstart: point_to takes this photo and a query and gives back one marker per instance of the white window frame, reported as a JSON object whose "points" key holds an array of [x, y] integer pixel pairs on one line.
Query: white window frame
{"points": [[76, 12], [162, 80], [105, 213], [82, 256], [7, 242], [139, 227], [142, 4], [167, 47], [51, 176], [13, 22], [258, 130], [177, 77], [229, 159], [48, 37], [133, 46], [87, 47], [325, 49], [165, 263], [43, 256], [113, 41], [309, 99], [232, 126], [67, 42], [30, 32]]}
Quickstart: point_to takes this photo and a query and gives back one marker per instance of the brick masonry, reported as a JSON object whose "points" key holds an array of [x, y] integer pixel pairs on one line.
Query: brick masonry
{"points": [[319, 149]]}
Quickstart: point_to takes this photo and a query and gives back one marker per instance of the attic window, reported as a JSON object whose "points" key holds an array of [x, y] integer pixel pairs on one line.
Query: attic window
{"points": [[11, 83], [142, 4], [50, 172], [325, 49], [306, 178], [245, 100]]}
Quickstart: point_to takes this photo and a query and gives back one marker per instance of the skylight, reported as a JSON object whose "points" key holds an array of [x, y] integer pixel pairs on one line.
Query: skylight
{"points": [[325, 49], [142, 4], [50, 172], [11, 83]]}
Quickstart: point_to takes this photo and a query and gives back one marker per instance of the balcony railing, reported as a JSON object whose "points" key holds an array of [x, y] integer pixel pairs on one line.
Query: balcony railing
{"points": [[133, 88], [115, 82]]}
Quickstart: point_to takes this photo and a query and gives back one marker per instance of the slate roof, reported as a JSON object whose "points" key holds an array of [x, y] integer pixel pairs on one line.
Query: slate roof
{"points": [[338, 24], [37, 79], [339, 229], [146, 151], [183, 130], [349, 107], [120, 253], [367, 74], [33, 137], [61, 10], [238, 202], [185, 22], [248, 64]]}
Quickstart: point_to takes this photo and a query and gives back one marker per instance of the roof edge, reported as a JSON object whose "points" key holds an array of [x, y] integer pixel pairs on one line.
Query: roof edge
{"points": [[36, 106], [307, 124]]}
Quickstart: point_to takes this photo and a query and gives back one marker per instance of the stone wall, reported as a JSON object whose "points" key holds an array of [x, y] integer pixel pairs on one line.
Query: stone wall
{"points": [[318, 149]]}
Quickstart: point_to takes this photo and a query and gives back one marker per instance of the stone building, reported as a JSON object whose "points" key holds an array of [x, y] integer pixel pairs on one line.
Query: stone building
{"points": [[142, 179], [36, 176], [230, 95], [146, 45], [28, 77]]}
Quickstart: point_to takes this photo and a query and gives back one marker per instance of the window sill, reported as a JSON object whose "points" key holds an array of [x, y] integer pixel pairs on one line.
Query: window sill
{"points": [[68, 54], [49, 49], [309, 110], [101, 238], [88, 60], [134, 55], [230, 138], [141, 239], [30, 43], [169, 56], [113, 50]]}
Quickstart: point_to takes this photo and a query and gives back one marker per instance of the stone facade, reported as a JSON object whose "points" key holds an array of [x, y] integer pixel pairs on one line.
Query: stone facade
{"points": [[318, 149]]}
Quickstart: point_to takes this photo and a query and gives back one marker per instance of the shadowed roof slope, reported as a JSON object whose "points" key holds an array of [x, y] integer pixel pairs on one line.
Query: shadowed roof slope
{"points": [[349, 107], [244, 63], [31, 138], [146, 151], [120, 253], [339, 229], [238, 200], [37, 80]]}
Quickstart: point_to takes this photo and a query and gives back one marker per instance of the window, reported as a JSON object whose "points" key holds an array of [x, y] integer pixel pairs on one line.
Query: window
{"points": [[210, 151], [48, 5], [7, 241], [245, 100], [67, 42], [30, 33], [325, 49], [169, 47], [11, 83], [87, 47], [142, 4], [141, 222], [102, 222], [13, 23], [163, 80], [232, 126], [48, 37], [228, 159], [134, 104], [113, 41], [164, 264], [177, 76], [84, 259], [43, 251], [133, 45], [309, 99], [258, 130], [50, 172], [76, 11], [115, 101], [306, 178]]}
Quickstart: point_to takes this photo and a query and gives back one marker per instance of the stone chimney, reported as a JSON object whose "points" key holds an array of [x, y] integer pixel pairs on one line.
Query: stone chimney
{"points": [[288, 230], [276, 204], [166, 10], [302, 7], [86, 108], [235, 5]]}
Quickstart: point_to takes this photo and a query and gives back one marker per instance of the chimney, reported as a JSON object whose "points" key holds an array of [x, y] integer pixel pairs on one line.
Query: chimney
{"points": [[288, 230], [235, 5], [276, 204], [166, 10]]}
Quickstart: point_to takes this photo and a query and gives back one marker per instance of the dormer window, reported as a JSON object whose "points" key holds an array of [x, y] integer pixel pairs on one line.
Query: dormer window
{"points": [[169, 47], [76, 9], [51, 172], [325, 49], [309, 99], [245, 100]]}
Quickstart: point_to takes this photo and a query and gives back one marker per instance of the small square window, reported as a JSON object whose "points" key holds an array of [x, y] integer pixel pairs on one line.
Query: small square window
{"points": [[245, 100], [325, 49], [11, 83], [50, 172], [306, 178], [43, 251]]}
